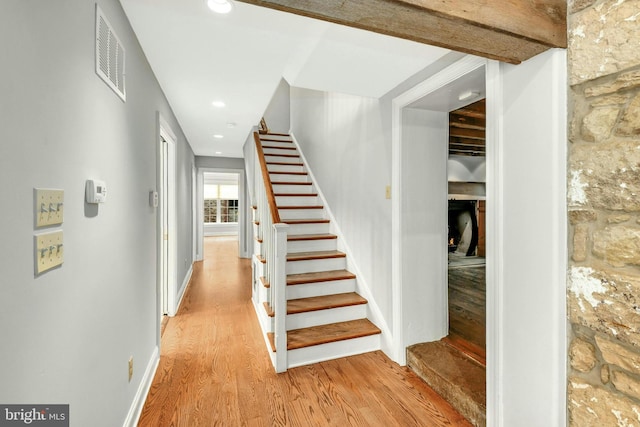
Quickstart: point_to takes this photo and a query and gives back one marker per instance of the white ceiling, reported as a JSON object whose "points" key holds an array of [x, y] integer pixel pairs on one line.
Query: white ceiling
{"points": [[199, 56]]}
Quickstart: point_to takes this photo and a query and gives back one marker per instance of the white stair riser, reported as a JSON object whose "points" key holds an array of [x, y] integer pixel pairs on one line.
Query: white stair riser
{"points": [[278, 151], [283, 143], [334, 350], [285, 168], [316, 265], [314, 228], [283, 188], [296, 200], [286, 214], [280, 158], [257, 247], [321, 288], [288, 178], [312, 245], [323, 317]]}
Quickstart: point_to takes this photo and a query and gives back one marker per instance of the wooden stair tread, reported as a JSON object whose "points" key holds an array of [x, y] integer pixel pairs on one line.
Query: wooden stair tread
{"points": [[306, 256], [272, 147], [286, 163], [272, 340], [295, 194], [290, 183], [264, 282], [281, 155], [262, 259], [300, 237], [322, 276], [305, 221], [301, 207], [268, 309], [276, 140], [286, 173], [323, 334], [325, 302]]}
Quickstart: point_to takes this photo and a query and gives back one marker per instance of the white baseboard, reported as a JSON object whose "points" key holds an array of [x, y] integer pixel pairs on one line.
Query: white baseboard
{"points": [[183, 289], [143, 390]]}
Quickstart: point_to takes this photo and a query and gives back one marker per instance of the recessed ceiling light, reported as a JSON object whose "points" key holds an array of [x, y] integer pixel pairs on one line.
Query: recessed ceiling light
{"points": [[218, 136], [218, 152], [468, 95], [220, 6], [218, 104]]}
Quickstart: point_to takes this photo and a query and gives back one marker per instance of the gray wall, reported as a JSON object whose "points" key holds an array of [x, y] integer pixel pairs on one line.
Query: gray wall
{"points": [[219, 162], [277, 114], [67, 335]]}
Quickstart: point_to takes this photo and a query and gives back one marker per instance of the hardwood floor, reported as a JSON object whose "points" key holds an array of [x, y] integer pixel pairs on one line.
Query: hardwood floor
{"points": [[215, 370], [467, 304]]}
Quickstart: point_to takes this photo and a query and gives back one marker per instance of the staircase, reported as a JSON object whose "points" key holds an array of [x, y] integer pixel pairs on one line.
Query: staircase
{"points": [[324, 316]]}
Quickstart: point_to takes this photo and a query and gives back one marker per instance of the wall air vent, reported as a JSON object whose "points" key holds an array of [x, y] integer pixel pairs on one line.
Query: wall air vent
{"points": [[109, 55]]}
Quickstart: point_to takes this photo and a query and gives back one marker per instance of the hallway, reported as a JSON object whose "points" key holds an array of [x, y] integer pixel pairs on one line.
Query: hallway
{"points": [[214, 369]]}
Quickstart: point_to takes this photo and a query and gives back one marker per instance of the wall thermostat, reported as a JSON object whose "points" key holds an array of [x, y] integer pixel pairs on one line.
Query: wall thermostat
{"points": [[96, 191]]}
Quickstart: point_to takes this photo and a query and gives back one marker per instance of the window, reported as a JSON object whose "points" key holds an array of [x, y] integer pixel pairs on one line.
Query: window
{"points": [[220, 203]]}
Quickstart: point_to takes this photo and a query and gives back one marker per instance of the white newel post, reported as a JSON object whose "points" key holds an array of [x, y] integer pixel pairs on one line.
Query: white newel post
{"points": [[279, 285]]}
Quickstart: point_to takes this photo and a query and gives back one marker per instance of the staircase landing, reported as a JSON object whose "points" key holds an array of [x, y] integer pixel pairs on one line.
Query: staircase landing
{"points": [[458, 378]]}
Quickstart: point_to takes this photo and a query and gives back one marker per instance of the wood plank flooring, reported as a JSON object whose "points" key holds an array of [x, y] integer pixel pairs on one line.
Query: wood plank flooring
{"points": [[467, 304], [215, 369]]}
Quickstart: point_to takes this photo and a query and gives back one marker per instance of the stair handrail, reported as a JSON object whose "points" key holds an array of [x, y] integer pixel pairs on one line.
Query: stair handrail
{"points": [[273, 233], [271, 198]]}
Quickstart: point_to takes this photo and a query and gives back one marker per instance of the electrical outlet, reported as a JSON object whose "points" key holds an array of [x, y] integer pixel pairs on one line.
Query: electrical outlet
{"points": [[130, 368], [49, 251], [48, 206]]}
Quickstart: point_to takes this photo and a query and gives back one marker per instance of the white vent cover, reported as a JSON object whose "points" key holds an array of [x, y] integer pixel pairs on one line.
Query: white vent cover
{"points": [[109, 55]]}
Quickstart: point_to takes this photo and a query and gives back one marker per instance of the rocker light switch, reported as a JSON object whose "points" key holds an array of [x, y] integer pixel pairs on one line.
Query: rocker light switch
{"points": [[48, 206], [49, 251]]}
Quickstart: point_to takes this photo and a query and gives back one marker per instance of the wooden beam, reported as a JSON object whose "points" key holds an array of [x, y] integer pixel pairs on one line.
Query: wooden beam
{"points": [[507, 30]]}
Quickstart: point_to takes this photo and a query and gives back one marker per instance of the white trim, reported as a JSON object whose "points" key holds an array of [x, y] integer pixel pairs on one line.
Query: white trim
{"points": [[446, 76], [135, 410], [183, 288], [245, 246], [170, 287], [361, 283], [494, 245]]}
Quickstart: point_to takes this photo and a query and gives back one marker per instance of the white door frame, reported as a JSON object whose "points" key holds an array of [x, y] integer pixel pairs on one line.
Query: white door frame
{"points": [[167, 219], [242, 208], [517, 381], [448, 75]]}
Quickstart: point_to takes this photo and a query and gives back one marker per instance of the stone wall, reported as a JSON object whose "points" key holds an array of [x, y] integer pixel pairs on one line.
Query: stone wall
{"points": [[604, 213]]}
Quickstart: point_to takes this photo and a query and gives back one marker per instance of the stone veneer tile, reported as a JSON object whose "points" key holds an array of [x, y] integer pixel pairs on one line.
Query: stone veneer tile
{"points": [[618, 245], [619, 355], [604, 40], [582, 355], [630, 122], [605, 302], [626, 384], [596, 406], [624, 81], [609, 174], [598, 124]]}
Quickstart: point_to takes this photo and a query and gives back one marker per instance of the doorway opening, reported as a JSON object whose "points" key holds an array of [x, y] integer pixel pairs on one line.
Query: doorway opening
{"points": [[438, 166]]}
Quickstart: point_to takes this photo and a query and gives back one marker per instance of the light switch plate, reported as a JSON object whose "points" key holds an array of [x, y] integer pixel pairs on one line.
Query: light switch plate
{"points": [[49, 251], [48, 206]]}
